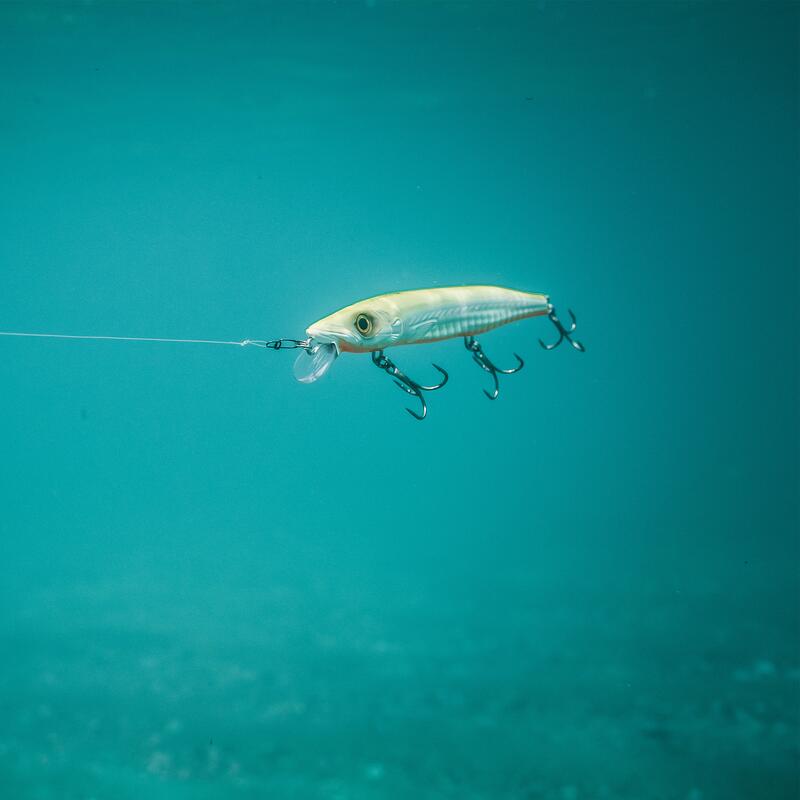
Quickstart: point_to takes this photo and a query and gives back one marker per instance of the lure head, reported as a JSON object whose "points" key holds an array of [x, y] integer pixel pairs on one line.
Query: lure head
{"points": [[360, 328]]}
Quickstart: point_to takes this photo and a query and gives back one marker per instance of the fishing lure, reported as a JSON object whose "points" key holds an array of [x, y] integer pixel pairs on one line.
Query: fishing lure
{"points": [[401, 318], [420, 316]]}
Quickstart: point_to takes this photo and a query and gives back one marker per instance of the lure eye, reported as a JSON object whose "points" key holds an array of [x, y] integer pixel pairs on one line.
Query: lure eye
{"points": [[363, 324]]}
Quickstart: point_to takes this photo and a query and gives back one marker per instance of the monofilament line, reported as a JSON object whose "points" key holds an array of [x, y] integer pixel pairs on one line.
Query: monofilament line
{"points": [[242, 343]]}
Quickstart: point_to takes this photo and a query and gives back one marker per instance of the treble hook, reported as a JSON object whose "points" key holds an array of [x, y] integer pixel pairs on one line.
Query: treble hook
{"points": [[483, 361], [563, 333], [405, 383]]}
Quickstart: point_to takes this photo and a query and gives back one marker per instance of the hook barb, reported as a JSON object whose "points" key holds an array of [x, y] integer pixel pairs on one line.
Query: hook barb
{"points": [[485, 363], [402, 381], [563, 333]]}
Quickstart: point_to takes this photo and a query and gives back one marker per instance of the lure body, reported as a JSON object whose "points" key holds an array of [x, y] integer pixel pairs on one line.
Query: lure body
{"points": [[424, 315]]}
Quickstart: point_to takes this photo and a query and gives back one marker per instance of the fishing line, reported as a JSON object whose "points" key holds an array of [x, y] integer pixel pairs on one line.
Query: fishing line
{"points": [[242, 343]]}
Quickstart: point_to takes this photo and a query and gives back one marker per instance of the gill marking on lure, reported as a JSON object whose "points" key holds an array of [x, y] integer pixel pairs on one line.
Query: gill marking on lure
{"points": [[400, 318]]}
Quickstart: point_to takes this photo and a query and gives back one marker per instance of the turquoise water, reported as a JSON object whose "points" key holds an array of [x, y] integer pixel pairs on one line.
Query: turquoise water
{"points": [[216, 582]]}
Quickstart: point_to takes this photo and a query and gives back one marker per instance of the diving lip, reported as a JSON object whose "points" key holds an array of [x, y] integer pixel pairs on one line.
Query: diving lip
{"points": [[311, 364]]}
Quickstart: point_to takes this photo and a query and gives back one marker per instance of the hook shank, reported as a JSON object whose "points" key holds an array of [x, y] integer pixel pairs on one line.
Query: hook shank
{"points": [[563, 333], [485, 363], [402, 381]]}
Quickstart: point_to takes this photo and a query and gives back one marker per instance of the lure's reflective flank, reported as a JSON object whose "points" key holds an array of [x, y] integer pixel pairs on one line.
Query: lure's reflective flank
{"points": [[425, 315]]}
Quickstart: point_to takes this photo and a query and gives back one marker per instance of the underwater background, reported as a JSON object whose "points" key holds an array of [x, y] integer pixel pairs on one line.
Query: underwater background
{"points": [[216, 582]]}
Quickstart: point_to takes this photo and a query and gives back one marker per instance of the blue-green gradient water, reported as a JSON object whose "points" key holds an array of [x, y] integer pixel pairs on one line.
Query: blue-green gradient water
{"points": [[216, 582]]}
